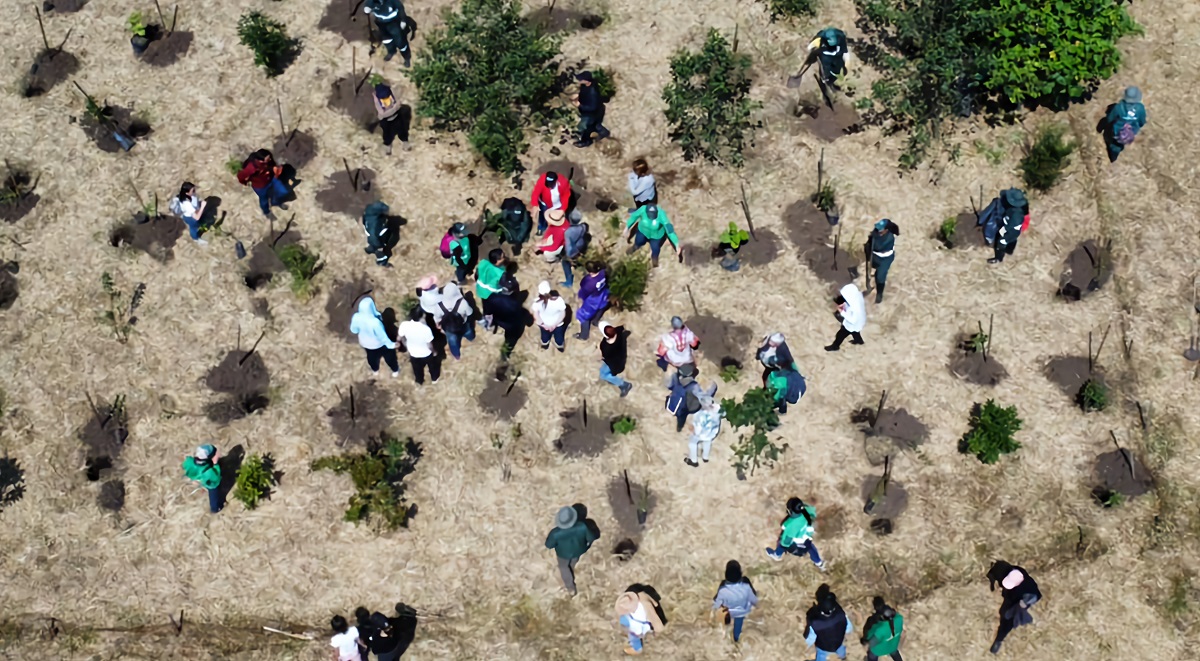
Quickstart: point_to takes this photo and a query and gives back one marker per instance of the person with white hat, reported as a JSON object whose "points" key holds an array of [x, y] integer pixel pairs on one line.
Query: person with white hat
{"points": [[550, 314], [1019, 592], [570, 538], [202, 467]]}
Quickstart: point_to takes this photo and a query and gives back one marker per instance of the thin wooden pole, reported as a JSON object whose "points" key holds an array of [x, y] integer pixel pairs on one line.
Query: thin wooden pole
{"points": [[158, 8], [349, 176], [174, 18], [279, 112], [988, 345], [42, 27], [879, 410]]}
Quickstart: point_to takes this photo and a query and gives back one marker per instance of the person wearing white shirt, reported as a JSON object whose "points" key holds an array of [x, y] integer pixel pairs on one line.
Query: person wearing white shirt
{"points": [[642, 185], [417, 339], [550, 314], [852, 310], [345, 642], [191, 210]]}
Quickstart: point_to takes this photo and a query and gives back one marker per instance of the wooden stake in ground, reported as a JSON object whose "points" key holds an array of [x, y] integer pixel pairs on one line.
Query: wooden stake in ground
{"points": [[746, 212], [628, 490], [178, 625], [837, 240], [1124, 455], [353, 62], [287, 226], [279, 112], [353, 412], [585, 412], [987, 346], [1102, 339], [251, 351], [513, 384], [42, 27], [174, 17], [158, 8], [879, 410], [353, 179], [820, 170], [692, 299]]}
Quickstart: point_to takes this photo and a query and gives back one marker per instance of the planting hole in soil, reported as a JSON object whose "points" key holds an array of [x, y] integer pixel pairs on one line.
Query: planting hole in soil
{"points": [[625, 549], [346, 19], [340, 195], [827, 125], [967, 233], [343, 303], [49, 68], [582, 436], [166, 50], [553, 19], [1119, 472], [881, 527], [156, 237], [721, 341], [264, 262], [1086, 269], [625, 508], [103, 437], [17, 198], [1069, 373], [815, 242], [362, 414], [12, 482], [112, 495], [245, 379], [9, 290], [897, 430], [755, 252], [498, 399], [297, 149], [973, 366], [101, 133], [352, 96], [833, 521], [893, 503]]}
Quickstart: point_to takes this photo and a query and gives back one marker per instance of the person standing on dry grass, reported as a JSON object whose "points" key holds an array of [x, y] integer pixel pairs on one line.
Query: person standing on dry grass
{"points": [[393, 24], [881, 633], [417, 338], [387, 108], [735, 598], [796, 533], [550, 314], [190, 209], [362, 619], [1019, 593], [852, 312], [367, 323], [685, 393], [456, 247], [1013, 220], [638, 612], [881, 249], [570, 539], [261, 174], [1124, 122], [456, 318], [614, 351], [826, 625], [383, 641], [706, 424], [552, 191], [642, 185], [591, 110], [650, 224], [202, 467], [379, 241], [593, 299], [675, 348], [345, 641]]}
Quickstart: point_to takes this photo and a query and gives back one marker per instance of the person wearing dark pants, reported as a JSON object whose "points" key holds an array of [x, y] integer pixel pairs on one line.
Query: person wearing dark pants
{"points": [[417, 338], [552, 191], [570, 538], [367, 323], [393, 24], [1019, 593], [388, 355], [261, 174], [882, 251], [852, 312], [387, 108], [550, 314], [202, 467], [831, 49], [685, 395], [650, 224], [735, 597], [1014, 219], [591, 110], [881, 633], [1124, 121], [380, 237], [593, 299]]}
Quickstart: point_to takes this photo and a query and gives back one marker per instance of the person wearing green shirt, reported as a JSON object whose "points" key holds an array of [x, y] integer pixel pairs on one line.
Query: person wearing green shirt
{"points": [[652, 226], [570, 538], [501, 309], [796, 533], [882, 632], [1123, 122], [203, 468], [460, 251]]}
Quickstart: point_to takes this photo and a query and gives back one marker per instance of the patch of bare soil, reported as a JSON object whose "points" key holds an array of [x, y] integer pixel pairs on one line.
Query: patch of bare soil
{"points": [[11, 212], [553, 19], [264, 262], [17, 198], [346, 19], [103, 437], [1120, 472], [967, 234], [101, 133], [623, 499], [297, 149], [974, 367], [167, 50], [581, 198], [261, 308], [49, 68], [896, 430], [343, 303], [348, 193], [1086, 269], [155, 237], [112, 495], [63, 6], [243, 376], [758, 251], [362, 414], [583, 434], [722, 341], [1069, 373], [832, 521], [818, 246], [893, 502], [9, 289], [504, 398], [828, 125], [352, 96]]}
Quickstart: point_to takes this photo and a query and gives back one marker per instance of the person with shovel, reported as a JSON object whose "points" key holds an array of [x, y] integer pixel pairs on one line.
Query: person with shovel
{"points": [[652, 226], [1019, 593], [882, 248], [202, 467], [380, 238], [570, 539], [394, 27], [1124, 122], [830, 49], [796, 533], [852, 312], [1011, 221]]}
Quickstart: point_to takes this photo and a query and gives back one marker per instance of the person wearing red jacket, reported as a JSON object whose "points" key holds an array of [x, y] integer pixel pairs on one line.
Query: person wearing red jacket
{"points": [[552, 191], [260, 172], [553, 245]]}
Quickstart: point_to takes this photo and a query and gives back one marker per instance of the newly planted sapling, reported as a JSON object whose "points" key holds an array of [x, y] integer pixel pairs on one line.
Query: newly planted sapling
{"points": [[233, 165], [756, 412], [254, 480], [1093, 396], [624, 425], [1046, 158], [947, 230], [627, 280], [731, 372], [992, 430], [733, 237], [378, 476], [119, 313], [303, 265], [268, 39]]}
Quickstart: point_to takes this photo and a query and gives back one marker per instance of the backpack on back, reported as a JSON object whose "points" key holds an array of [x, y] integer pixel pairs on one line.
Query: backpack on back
{"points": [[453, 322], [175, 207], [445, 247], [575, 240], [1126, 135]]}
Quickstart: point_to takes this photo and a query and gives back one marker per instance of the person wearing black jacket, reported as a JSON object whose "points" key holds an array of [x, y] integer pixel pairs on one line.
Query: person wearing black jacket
{"points": [[383, 640], [613, 354], [379, 240], [394, 26], [591, 110], [1019, 592], [826, 625]]}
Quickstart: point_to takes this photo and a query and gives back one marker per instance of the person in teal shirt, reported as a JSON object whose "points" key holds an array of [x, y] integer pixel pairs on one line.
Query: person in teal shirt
{"points": [[652, 226], [203, 468], [796, 533], [882, 632], [460, 251], [1124, 122]]}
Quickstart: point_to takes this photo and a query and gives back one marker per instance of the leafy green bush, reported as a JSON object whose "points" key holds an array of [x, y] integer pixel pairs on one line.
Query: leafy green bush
{"points": [[233, 165], [730, 373], [992, 430], [268, 38], [1044, 161], [603, 81], [378, 476], [624, 425], [791, 8], [254, 480], [708, 104], [302, 264], [489, 73], [757, 412], [1093, 396], [627, 278]]}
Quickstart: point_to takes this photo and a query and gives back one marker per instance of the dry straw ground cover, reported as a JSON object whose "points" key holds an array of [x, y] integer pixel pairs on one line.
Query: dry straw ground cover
{"points": [[1117, 581]]}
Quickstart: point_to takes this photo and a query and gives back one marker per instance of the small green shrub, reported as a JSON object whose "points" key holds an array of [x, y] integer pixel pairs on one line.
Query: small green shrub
{"points": [[791, 8], [947, 229], [992, 430], [826, 198], [708, 102], [254, 480], [624, 425], [603, 81], [1044, 161], [269, 41], [730, 373], [302, 264], [627, 279], [978, 342], [233, 165], [734, 236], [407, 305], [374, 79], [378, 476], [756, 412], [120, 311], [136, 26], [1093, 396]]}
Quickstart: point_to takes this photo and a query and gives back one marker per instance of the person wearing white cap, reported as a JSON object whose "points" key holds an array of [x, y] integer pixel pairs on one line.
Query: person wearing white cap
{"points": [[1019, 592], [852, 311], [570, 538], [550, 314], [202, 467]]}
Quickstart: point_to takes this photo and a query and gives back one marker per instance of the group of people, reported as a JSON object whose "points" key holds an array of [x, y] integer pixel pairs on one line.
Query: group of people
{"points": [[387, 638]]}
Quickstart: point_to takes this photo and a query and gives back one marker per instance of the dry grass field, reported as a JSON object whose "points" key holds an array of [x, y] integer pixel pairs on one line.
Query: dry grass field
{"points": [[1118, 582]]}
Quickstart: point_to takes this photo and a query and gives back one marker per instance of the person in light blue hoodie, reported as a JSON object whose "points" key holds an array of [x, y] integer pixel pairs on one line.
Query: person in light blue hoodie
{"points": [[372, 336], [735, 596]]}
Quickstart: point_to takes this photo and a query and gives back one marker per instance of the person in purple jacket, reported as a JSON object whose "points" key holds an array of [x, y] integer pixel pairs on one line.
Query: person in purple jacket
{"points": [[593, 296]]}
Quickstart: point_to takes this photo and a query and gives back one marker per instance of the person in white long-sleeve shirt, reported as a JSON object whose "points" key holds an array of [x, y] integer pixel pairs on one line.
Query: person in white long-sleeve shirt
{"points": [[417, 337], [373, 337], [852, 310], [642, 184], [550, 314]]}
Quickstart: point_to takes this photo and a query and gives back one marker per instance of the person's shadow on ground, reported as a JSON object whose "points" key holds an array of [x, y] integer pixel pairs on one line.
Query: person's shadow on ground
{"points": [[230, 463]]}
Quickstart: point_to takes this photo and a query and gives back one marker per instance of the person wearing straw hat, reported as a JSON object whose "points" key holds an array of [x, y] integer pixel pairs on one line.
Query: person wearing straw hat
{"points": [[638, 613], [387, 109], [735, 598], [882, 248], [652, 226], [550, 314], [570, 538], [202, 467], [1123, 122], [852, 312], [554, 239], [1019, 592]]}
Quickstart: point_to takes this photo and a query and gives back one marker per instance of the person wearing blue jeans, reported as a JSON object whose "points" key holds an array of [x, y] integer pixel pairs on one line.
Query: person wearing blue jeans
{"points": [[456, 318], [796, 533], [656, 245], [259, 173], [272, 195], [190, 208], [827, 625], [613, 352], [550, 315], [798, 550], [736, 597]]}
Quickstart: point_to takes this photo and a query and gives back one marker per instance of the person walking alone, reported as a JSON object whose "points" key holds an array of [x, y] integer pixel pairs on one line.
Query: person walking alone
{"points": [[642, 185], [826, 625], [614, 351], [570, 539], [735, 597], [202, 467], [796, 533], [387, 108], [593, 299], [1019, 592], [652, 226], [831, 49], [550, 314], [394, 28], [881, 633], [882, 248], [1013, 220], [417, 338], [706, 424], [367, 323], [380, 237], [852, 312], [1124, 122], [261, 174], [190, 209], [591, 110]]}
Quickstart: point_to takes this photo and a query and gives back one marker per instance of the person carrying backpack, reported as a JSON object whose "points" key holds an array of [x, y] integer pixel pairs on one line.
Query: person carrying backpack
{"points": [[796, 533], [515, 223], [394, 27], [457, 318], [881, 633], [202, 467], [787, 385], [685, 393], [190, 209], [261, 174], [456, 247], [639, 613], [575, 240], [826, 625], [552, 191], [1124, 122], [380, 238]]}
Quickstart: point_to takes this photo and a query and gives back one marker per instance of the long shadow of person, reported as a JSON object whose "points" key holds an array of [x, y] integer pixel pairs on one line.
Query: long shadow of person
{"points": [[404, 626], [404, 116], [230, 463]]}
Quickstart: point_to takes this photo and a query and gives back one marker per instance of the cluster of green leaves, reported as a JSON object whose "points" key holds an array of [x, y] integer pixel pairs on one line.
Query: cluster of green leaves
{"points": [[791, 8], [992, 430], [233, 165], [947, 230], [826, 198], [489, 73], [136, 24], [730, 373], [302, 264], [978, 342], [269, 41], [254, 480], [378, 476], [1093, 396], [627, 278], [603, 81], [734, 236], [945, 58], [708, 102], [407, 305], [1045, 159], [624, 425], [756, 412], [120, 311]]}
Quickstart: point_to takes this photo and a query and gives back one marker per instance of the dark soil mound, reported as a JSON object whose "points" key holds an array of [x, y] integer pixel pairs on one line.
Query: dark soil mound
{"points": [[895, 499], [625, 549], [11, 212], [63, 6], [897, 424], [229, 409], [297, 150], [882, 527], [346, 19], [166, 51], [239, 374], [112, 495], [1121, 472], [722, 342], [103, 437], [755, 252], [972, 366], [498, 400], [624, 507], [264, 263], [102, 133], [343, 303], [362, 414], [825, 124], [815, 241], [12, 482], [9, 290], [583, 435], [341, 196], [1069, 373], [555, 19], [49, 68], [352, 96], [1086, 269], [966, 233], [156, 237]]}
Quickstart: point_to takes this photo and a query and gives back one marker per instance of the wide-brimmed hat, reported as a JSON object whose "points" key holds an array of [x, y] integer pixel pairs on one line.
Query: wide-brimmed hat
{"points": [[556, 217], [627, 603], [1133, 95], [566, 517], [1015, 198]]}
